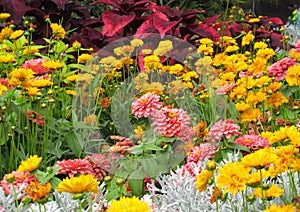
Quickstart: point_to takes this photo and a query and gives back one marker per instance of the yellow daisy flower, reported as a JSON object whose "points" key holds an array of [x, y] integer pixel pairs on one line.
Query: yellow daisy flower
{"points": [[30, 164], [58, 30], [260, 158], [53, 64], [127, 204], [273, 191], [79, 184], [202, 179], [281, 208], [16, 34]]}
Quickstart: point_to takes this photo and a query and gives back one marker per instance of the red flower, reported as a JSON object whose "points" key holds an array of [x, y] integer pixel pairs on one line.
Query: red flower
{"points": [[35, 117]]}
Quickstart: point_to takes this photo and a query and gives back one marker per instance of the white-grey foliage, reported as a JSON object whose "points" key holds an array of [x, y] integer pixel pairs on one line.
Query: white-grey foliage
{"points": [[61, 202], [293, 31]]}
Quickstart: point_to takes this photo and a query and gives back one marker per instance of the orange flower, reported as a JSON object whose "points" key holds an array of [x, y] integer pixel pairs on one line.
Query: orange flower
{"points": [[37, 191]]}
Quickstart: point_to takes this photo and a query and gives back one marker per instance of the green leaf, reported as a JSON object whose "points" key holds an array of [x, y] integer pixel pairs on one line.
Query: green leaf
{"points": [[54, 182], [74, 143], [234, 114], [144, 147], [60, 47], [136, 182], [239, 147]]}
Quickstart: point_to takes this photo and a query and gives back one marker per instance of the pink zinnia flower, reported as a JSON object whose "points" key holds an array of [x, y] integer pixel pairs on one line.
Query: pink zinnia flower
{"points": [[202, 152], [252, 142], [72, 167], [279, 69], [20, 178], [172, 122], [100, 165], [227, 128], [145, 105], [36, 66]]}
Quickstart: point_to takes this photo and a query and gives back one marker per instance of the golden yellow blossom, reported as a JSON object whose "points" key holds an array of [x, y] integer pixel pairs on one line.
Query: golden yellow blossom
{"points": [[30, 164], [129, 204], [83, 58], [16, 34], [58, 30]]}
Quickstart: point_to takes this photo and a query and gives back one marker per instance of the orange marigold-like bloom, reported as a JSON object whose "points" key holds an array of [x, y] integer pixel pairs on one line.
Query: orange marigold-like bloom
{"points": [[37, 191], [250, 115], [277, 99]]}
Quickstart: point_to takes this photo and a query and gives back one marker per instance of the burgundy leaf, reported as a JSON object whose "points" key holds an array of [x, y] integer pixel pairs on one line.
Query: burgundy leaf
{"points": [[205, 31], [276, 40], [114, 3], [222, 28], [114, 22], [16, 8], [60, 3], [163, 26], [190, 16], [146, 27], [237, 28], [211, 20], [166, 10]]}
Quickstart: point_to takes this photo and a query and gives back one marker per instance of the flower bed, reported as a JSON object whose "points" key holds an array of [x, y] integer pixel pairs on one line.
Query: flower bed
{"points": [[205, 118]]}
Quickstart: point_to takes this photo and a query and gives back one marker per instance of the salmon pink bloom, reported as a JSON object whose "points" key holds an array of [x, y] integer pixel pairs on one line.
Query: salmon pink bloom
{"points": [[145, 105], [279, 69], [252, 142], [227, 128], [172, 122]]}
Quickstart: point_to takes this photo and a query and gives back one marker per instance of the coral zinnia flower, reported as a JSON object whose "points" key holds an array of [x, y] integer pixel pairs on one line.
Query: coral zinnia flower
{"points": [[100, 165], [30, 164], [145, 105], [171, 122], [37, 191], [260, 158], [233, 177], [72, 167], [78, 184], [252, 142], [127, 204], [202, 179]]}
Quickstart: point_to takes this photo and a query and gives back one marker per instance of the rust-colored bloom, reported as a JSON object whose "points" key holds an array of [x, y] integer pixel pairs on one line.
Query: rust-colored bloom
{"points": [[37, 191]]}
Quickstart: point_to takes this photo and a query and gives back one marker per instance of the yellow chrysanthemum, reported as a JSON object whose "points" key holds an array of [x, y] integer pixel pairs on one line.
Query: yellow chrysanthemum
{"points": [[293, 76], [260, 158], [21, 77], [281, 208], [9, 58], [137, 42], [255, 177], [154, 87], [79, 184], [71, 92], [273, 191], [152, 62], [33, 91], [72, 78], [127, 204], [76, 45], [233, 177], [5, 33], [202, 180], [30, 164], [242, 106], [266, 53], [247, 38], [4, 15], [16, 34], [277, 99], [40, 83], [230, 49], [83, 58], [176, 69], [58, 30], [37, 191], [260, 45], [53, 64]]}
